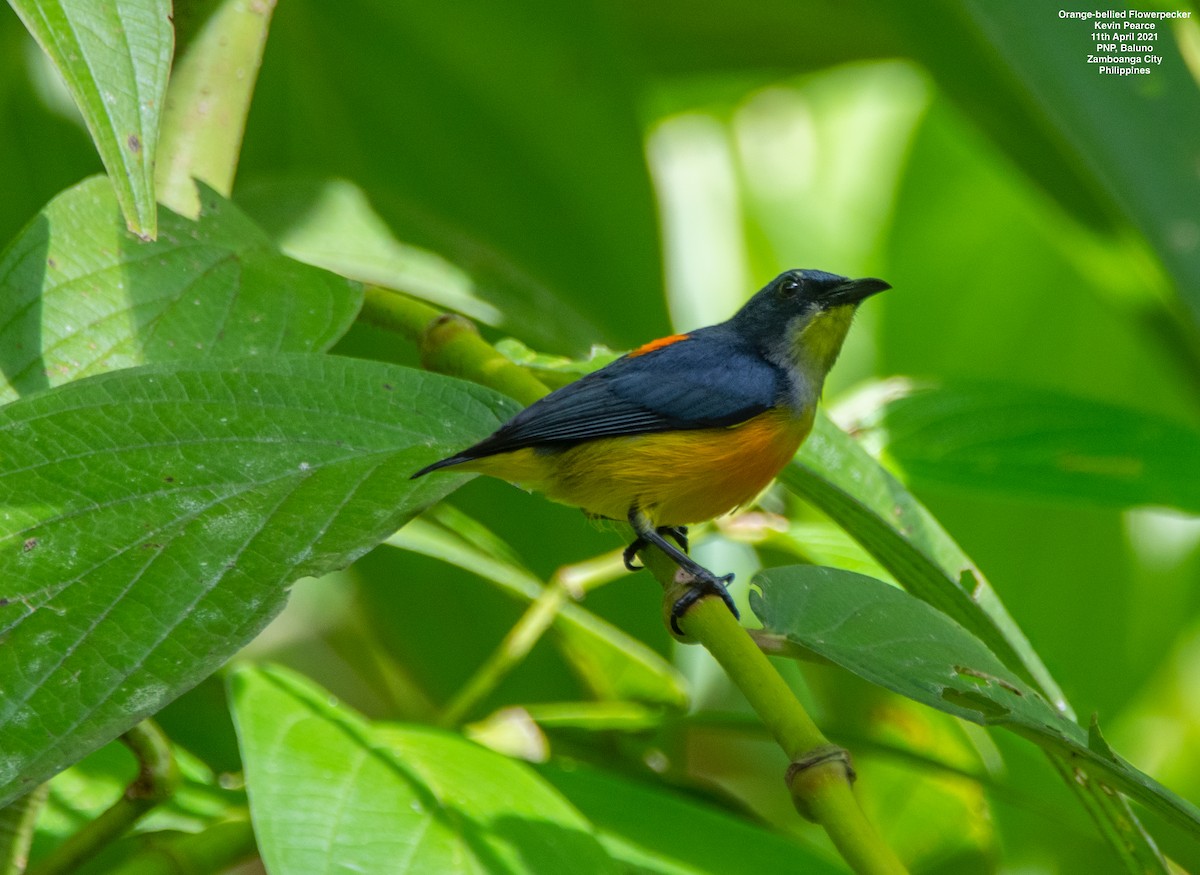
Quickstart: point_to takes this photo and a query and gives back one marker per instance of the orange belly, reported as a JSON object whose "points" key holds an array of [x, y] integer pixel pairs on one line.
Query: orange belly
{"points": [[675, 478]]}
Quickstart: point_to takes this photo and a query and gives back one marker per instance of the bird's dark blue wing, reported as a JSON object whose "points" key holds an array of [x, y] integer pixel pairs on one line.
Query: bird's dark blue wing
{"points": [[703, 380]]}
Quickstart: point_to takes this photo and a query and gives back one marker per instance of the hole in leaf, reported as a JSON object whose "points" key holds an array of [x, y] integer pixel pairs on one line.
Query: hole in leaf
{"points": [[988, 710]]}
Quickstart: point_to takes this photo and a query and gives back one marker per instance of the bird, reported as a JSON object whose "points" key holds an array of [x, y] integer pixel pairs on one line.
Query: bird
{"points": [[685, 428]]}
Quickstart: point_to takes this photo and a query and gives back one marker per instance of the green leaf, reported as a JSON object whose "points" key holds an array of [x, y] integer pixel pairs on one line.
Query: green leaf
{"points": [[80, 295], [892, 639], [838, 476], [1079, 345], [114, 58], [656, 832], [899, 642], [555, 371], [332, 792], [153, 518], [613, 664], [818, 543], [1032, 443], [331, 223], [604, 716]]}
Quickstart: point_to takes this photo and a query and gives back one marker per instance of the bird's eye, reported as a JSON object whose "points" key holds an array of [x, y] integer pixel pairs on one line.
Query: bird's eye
{"points": [[789, 287]]}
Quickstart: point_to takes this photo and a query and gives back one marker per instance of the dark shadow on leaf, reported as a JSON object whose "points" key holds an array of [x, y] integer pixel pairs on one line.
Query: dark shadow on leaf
{"points": [[21, 283], [550, 847]]}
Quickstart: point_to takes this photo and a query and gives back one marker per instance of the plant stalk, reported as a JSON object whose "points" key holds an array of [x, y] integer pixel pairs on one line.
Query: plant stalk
{"points": [[449, 344], [156, 780], [570, 581], [18, 822], [216, 65], [208, 852], [820, 776]]}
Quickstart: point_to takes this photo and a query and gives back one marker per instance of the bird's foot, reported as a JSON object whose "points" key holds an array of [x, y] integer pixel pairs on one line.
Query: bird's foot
{"points": [[679, 533], [697, 581], [702, 584]]}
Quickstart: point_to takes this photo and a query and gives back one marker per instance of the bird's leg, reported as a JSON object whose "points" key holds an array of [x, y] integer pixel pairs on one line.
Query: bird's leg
{"points": [[679, 533], [703, 583]]}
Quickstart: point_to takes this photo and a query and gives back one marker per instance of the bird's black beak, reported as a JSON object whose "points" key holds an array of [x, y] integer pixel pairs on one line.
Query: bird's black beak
{"points": [[855, 291]]}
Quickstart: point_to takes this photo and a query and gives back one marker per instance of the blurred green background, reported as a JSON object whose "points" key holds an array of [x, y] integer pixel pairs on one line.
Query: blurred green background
{"points": [[605, 173]]}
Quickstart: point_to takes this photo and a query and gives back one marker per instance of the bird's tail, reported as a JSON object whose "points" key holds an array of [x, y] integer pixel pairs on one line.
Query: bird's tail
{"points": [[443, 463]]}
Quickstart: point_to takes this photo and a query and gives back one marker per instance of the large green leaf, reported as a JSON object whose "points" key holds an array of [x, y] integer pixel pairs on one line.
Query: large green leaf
{"points": [[153, 517], [653, 831], [114, 58], [505, 138], [331, 223], [883, 634], [1044, 326], [837, 475], [332, 792], [1020, 441], [80, 295]]}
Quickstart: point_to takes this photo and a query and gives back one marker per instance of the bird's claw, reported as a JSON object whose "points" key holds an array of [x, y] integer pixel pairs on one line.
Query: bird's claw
{"points": [[630, 554], [699, 581], [697, 589]]}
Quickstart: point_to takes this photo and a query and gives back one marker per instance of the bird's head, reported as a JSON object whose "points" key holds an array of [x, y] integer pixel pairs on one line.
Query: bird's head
{"points": [[801, 317]]}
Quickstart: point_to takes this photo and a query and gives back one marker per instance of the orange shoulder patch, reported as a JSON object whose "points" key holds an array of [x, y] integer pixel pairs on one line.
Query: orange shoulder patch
{"points": [[657, 344]]}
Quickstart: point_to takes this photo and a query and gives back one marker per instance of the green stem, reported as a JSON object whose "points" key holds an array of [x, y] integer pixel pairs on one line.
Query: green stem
{"points": [[449, 344], [156, 780], [569, 581], [18, 822], [216, 66], [820, 777], [512, 650], [212, 850]]}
